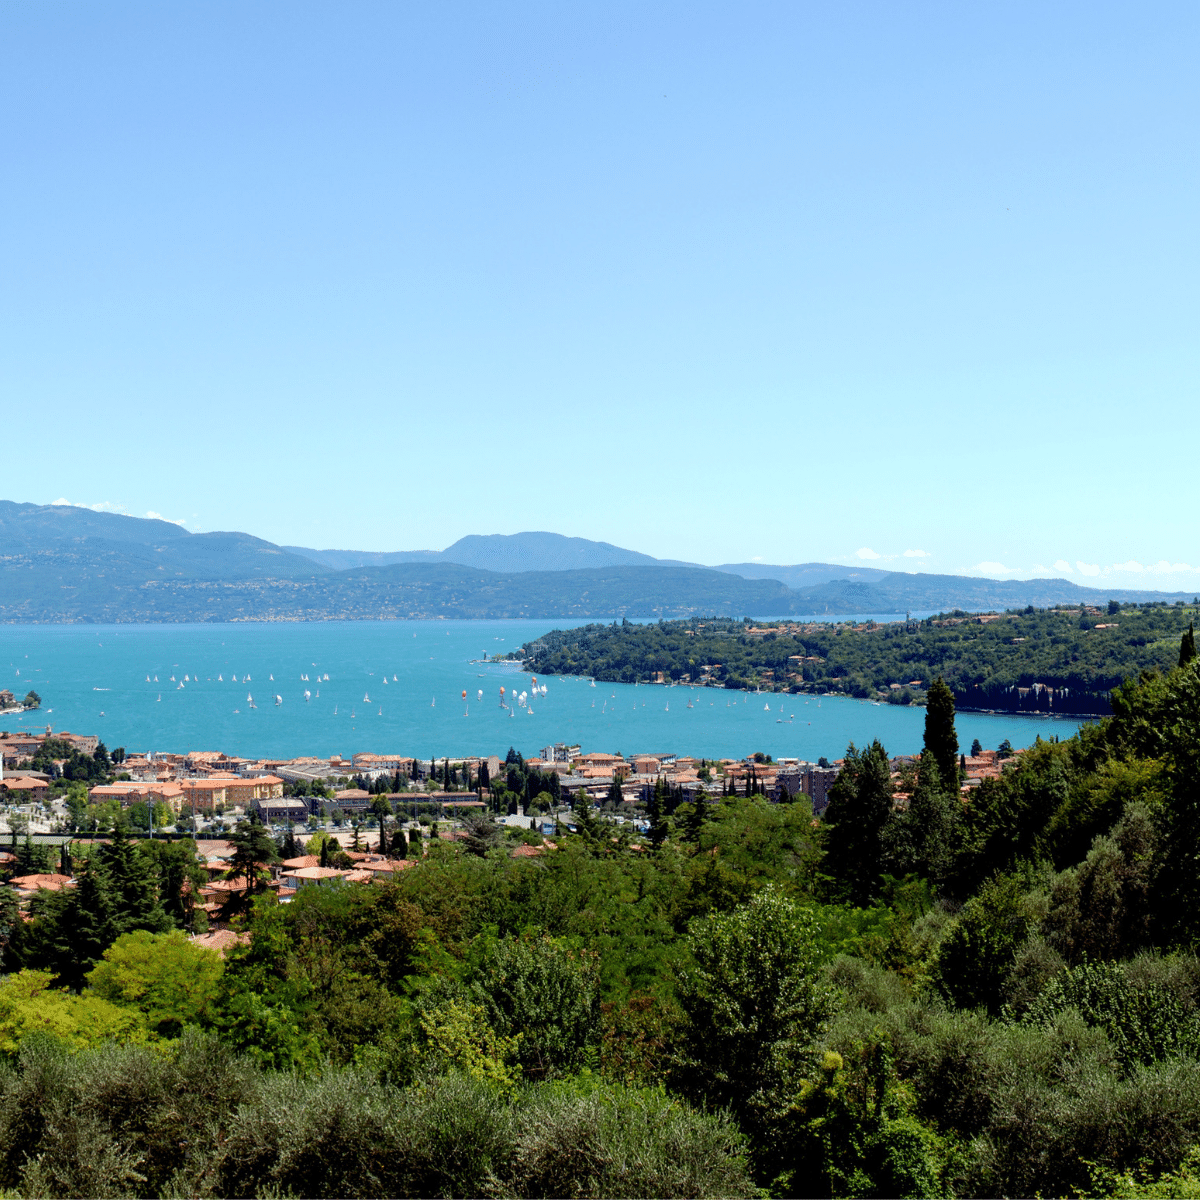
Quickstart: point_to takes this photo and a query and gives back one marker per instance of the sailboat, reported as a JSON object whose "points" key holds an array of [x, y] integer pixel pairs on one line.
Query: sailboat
{"points": [[278, 701], [172, 678], [385, 681], [160, 697], [394, 679], [147, 678], [381, 710], [245, 678], [366, 698], [250, 700], [766, 708], [307, 695], [433, 702], [156, 679], [318, 693], [335, 710], [220, 678]]}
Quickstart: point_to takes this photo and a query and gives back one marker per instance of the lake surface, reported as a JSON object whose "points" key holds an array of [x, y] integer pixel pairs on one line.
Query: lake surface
{"points": [[92, 679]]}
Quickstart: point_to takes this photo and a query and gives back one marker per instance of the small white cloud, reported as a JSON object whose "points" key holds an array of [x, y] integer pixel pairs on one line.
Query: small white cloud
{"points": [[1090, 569], [61, 500], [916, 554], [1132, 567], [154, 516], [993, 568], [866, 552], [1063, 565]]}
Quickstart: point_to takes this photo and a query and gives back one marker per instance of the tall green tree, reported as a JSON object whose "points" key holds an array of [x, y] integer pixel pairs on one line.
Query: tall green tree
{"points": [[753, 1002], [585, 819], [860, 807], [1187, 646], [655, 810], [253, 851], [74, 927], [922, 840], [381, 806], [941, 740], [693, 822], [133, 887]]}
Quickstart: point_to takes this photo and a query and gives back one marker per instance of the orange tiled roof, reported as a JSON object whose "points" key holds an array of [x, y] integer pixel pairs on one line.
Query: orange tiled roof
{"points": [[305, 860], [46, 882]]}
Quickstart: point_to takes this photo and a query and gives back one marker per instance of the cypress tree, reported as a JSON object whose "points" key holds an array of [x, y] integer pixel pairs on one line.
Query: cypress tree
{"points": [[940, 738], [65, 866], [1187, 646], [654, 810], [399, 848]]}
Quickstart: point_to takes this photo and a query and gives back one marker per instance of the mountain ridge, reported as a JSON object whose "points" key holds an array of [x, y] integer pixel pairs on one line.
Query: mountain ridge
{"points": [[62, 563]]}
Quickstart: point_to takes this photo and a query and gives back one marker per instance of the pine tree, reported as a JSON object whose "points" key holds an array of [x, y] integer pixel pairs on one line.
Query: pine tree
{"points": [[399, 847], [585, 819], [132, 886], [1187, 646], [253, 849], [940, 738], [860, 807], [694, 822], [85, 928]]}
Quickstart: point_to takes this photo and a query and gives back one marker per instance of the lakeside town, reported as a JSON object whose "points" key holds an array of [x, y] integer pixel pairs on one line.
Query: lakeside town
{"points": [[377, 813]]}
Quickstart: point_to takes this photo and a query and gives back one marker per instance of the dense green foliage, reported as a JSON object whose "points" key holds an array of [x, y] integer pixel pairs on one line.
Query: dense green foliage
{"points": [[1006, 663], [928, 993]]}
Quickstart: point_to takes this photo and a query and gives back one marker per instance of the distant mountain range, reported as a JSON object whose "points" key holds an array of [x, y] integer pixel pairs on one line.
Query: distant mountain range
{"points": [[59, 563]]}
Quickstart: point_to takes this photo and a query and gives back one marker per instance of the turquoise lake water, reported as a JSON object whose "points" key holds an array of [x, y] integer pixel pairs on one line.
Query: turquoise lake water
{"points": [[92, 679]]}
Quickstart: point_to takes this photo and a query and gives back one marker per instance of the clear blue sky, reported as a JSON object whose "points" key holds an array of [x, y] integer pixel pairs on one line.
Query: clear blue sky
{"points": [[712, 281]]}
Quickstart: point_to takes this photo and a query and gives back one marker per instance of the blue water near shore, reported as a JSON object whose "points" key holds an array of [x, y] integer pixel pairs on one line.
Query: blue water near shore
{"points": [[92, 679]]}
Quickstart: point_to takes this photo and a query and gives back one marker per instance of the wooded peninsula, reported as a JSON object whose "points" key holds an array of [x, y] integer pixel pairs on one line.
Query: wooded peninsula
{"points": [[1064, 660]]}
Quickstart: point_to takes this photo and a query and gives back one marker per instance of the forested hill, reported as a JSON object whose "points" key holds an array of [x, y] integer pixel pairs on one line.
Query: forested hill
{"points": [[1064, 660]]}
